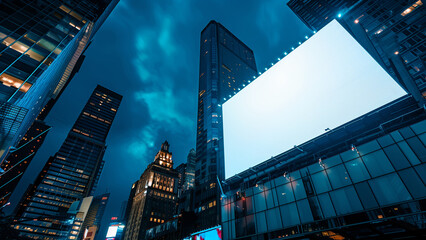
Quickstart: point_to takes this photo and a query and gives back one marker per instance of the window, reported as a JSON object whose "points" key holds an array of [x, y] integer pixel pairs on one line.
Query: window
{"points": [[409, 153], [338, 176], [345, 200], [299, 189], [357, 170], [413, 183], [389, 189], [326, 205], [368, 147], [261, 222], [305, 211], [11, 81], [377, 163], [418, 148], [271, 198], [274, 219], [320, 182], [290, 215], [285, 194], [397, 158], [366, 195], [421, 170], [385, 141], [259, 202]]}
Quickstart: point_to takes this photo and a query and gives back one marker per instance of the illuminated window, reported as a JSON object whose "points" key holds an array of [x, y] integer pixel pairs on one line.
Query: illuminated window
{"points": [[10, 81], [412, 7]]}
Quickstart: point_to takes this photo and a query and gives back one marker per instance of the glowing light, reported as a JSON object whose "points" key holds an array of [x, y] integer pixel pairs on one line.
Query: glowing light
{"points": [[339, 15], [300, 43], [279, 59], [285, 53], [292, 48], [266, 69], [306, 37], [396, 52], [356, 21]]}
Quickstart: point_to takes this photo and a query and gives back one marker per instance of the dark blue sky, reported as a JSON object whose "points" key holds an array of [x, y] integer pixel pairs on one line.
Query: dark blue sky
{"points": [[148, 51]]}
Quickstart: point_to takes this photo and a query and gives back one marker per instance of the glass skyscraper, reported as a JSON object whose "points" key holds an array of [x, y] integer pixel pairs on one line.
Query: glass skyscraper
{"points": [[72, 173], [392, 31], [40, 44], [226, 66]]}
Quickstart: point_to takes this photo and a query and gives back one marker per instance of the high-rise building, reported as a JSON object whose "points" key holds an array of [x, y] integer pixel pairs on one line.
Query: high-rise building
{"points": [[72, 173], [20, 157], [226, 66], [391, 31], [17, 162], [155, 198], [95, 214], [40, 44]]}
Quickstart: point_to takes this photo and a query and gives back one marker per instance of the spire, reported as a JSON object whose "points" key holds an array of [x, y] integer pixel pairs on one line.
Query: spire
{"points": [[165, 146]]}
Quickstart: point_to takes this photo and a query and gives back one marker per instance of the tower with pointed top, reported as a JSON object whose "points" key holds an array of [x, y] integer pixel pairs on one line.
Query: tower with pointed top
{"points": [[154, 200]]}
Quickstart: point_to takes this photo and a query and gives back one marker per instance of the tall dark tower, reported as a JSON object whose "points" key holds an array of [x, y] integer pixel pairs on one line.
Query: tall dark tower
{"points": [[72, 173], [226, 66]]}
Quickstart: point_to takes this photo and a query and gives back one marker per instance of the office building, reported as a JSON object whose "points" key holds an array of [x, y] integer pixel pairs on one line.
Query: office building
{"points": [[20, 157], [94, 214], [40, 44], [155, 198], [77, 214], [391, 31], [363, 180], [226, 65], [72, 173], [17, 162]]}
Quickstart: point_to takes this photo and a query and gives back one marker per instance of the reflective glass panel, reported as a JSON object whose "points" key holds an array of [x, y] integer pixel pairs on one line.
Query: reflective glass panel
{"points": [[357, 170], [377, 163], [413, 183], [304, 211], [326, 205], [397, 158], [389, 189], [290, 215], [320, 182], [285, 194], [345, 200], [274, 219], [338, 176]]}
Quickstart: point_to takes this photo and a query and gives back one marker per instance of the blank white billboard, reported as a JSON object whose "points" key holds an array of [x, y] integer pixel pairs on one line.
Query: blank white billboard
{"points": [[325, 82]]}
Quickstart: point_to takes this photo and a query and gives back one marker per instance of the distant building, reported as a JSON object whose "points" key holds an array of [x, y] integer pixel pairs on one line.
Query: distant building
{"points": [[190, 170], [155, 198], [226, 66], [181, 169], [77, 212], [72, 173], [115, 230], [392, 31], [95, 214], [41, 43]]}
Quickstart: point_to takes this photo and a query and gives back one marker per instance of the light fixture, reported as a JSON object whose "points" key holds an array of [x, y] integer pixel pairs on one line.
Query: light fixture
{"points": [[272, 64], [356, 21], [266, 69], [339, 15], [292, 48], [279, 59], [306, 37], [285, 53], [300, 43]]}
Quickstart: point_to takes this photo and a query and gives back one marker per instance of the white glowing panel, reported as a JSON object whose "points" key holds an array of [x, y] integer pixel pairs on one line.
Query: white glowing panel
{"points": [[327, 81], [112, 231]]}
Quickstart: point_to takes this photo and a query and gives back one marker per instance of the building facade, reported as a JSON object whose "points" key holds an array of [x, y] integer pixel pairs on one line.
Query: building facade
{"points": [[94, 214], [362, 180], [391, 31], [20, 157], [226, 65], [72, 173], [155, 197], [40, 44]]}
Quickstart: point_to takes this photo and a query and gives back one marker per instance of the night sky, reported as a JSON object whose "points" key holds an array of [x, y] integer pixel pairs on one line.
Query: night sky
{"points": [[148, 51]]}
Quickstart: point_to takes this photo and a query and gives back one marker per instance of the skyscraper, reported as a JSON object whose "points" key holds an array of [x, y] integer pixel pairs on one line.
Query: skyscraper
{"points": [[40, 44], [20, 157], [155, 198], [72, 173], [226, 66], [391, 31]]}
